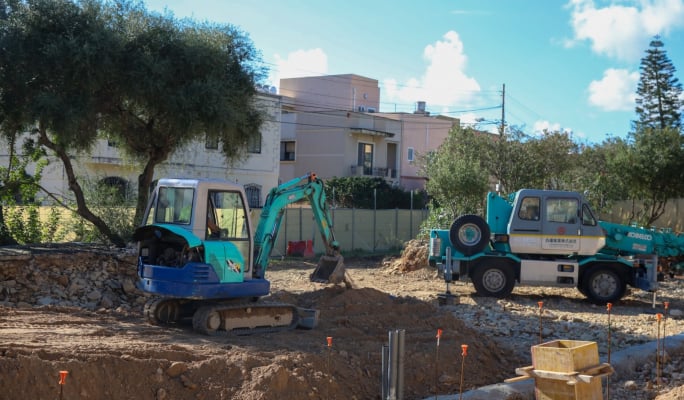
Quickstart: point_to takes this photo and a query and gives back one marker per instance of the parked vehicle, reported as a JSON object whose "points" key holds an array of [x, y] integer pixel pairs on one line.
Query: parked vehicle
{"points": [[550, 238], [198, 249]]}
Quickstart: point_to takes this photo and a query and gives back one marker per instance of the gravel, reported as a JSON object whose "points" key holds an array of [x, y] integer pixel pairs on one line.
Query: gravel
{"points": [[630, 332]]}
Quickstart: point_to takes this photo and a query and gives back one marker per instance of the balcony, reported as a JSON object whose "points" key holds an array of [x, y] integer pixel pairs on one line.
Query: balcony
{"points": [[360, 170]]}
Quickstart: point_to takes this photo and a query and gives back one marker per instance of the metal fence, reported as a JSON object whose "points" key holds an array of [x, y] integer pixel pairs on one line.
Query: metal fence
{"points": [[355, 229]]}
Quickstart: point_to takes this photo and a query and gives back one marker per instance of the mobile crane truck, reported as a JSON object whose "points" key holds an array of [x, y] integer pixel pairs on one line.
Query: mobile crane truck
{"points": [[198, 250], [549, 238]]}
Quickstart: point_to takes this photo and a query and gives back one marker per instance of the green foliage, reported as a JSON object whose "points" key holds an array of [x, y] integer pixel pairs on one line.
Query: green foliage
{"points": [[659, 92], [22, 224], [519, 161], [458, 181], [653, 165], [110, 206], [438, 218], [72, 71], [369, 193], [599, 173], [28, 226]]}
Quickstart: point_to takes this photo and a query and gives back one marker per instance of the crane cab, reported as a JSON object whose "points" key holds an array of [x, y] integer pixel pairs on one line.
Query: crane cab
{"points": [[553, 222]]}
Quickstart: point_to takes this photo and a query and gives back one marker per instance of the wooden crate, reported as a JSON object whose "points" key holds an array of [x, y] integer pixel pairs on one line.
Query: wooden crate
{"points": [[565, 370], [565, 355], [553, 389]]}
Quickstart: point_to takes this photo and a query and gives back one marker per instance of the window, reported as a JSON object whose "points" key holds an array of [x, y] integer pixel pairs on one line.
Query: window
{"points": [[229, 214], [173, 206], [562, 210], [529, 209], [253, 192], [587, 217], [117, 188], [254, 144], [287, 150], [410, 154], [365, 158], [210, 142]]}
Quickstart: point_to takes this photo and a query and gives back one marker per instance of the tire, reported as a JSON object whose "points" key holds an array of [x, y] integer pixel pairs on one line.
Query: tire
{"points": [[469, 234], [493, 278], [603, 285]]}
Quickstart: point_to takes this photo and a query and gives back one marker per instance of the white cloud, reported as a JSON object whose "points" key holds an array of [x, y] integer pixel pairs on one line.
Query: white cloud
{"points": [[444, 81], [541, 126], [623, 31], [298, 64], [616, 91]]}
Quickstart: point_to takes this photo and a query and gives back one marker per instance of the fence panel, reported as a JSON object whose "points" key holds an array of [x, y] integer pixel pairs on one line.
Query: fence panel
{"points": [[355, 229]]}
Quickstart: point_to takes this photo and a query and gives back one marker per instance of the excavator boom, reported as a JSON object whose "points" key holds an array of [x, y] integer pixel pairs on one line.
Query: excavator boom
{"points": [[311, 189]]}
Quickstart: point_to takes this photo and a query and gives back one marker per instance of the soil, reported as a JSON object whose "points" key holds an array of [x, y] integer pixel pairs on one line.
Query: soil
{"points": [[113, 353]]}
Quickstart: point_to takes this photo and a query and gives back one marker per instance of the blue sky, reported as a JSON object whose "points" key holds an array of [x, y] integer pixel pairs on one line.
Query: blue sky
{"points": [[567, 65]]}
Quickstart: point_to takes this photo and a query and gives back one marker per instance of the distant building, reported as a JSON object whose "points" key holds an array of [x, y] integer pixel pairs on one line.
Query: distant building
{"points": [[332, 125]]}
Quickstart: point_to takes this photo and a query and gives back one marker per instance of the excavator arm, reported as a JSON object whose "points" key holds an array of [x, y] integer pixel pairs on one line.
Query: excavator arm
{"points": [[309, 188]]}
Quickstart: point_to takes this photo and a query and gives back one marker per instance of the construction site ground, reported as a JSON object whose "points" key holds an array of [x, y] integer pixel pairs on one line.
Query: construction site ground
{"points": [[111, 352]]}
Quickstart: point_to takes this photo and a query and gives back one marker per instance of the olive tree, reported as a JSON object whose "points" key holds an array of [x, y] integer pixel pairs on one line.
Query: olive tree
{"points": [[73, 71]]}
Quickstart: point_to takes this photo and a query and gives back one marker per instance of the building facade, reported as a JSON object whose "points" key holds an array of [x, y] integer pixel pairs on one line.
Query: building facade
{"points": [[201, 159], [332, 125]]}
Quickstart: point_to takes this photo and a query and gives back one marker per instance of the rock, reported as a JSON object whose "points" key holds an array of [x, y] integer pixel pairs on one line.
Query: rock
{"points": [[447, 379], [43, 301], [159, 375], [161, 394], [176, 369], [95, 295], [675, 312], [631, 385], [106, 302], [63, 280], [128, 286], [188, 383]]}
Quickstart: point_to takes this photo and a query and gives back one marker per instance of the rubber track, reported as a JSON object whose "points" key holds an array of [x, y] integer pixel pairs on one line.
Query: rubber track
{"points": [[201, 315]]}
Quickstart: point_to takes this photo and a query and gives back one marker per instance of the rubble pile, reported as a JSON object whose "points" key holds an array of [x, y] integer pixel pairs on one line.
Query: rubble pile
{"points": [[79, 275], [413, 257]]}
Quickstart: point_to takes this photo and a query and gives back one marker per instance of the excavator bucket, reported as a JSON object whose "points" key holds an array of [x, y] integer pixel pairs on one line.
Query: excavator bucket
{"points": [[330, 269]]}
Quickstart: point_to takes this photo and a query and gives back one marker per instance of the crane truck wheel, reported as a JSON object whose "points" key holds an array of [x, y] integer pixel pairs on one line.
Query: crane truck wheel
{"points": [[493, 278], [469, 234], [603, 285]]}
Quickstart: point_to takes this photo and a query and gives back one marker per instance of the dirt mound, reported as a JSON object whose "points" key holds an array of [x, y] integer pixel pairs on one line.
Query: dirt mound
{"points": [[110, 355], [413, 257], [114, 353]]}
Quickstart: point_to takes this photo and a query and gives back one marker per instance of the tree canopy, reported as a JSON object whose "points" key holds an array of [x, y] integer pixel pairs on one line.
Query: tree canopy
{"points": [[659, 92], [72, 72]]}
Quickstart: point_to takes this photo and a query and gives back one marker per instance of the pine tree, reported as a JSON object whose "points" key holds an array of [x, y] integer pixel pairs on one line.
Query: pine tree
{"points": [[658, 103]]}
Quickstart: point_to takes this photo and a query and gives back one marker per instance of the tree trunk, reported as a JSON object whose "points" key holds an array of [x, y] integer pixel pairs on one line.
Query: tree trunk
{"points": [[144, 182], [81, 207]]}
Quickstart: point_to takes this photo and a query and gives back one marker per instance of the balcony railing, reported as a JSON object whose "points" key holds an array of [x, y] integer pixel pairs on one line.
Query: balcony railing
{"points": [[360, 170]]}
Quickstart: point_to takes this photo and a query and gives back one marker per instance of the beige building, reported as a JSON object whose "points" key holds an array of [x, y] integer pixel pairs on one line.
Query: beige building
{"points": [[201, 159], [332, 126]]}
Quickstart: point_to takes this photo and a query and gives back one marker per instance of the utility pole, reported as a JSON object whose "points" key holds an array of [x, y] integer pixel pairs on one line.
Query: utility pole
{"points": [[503, 110]]}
